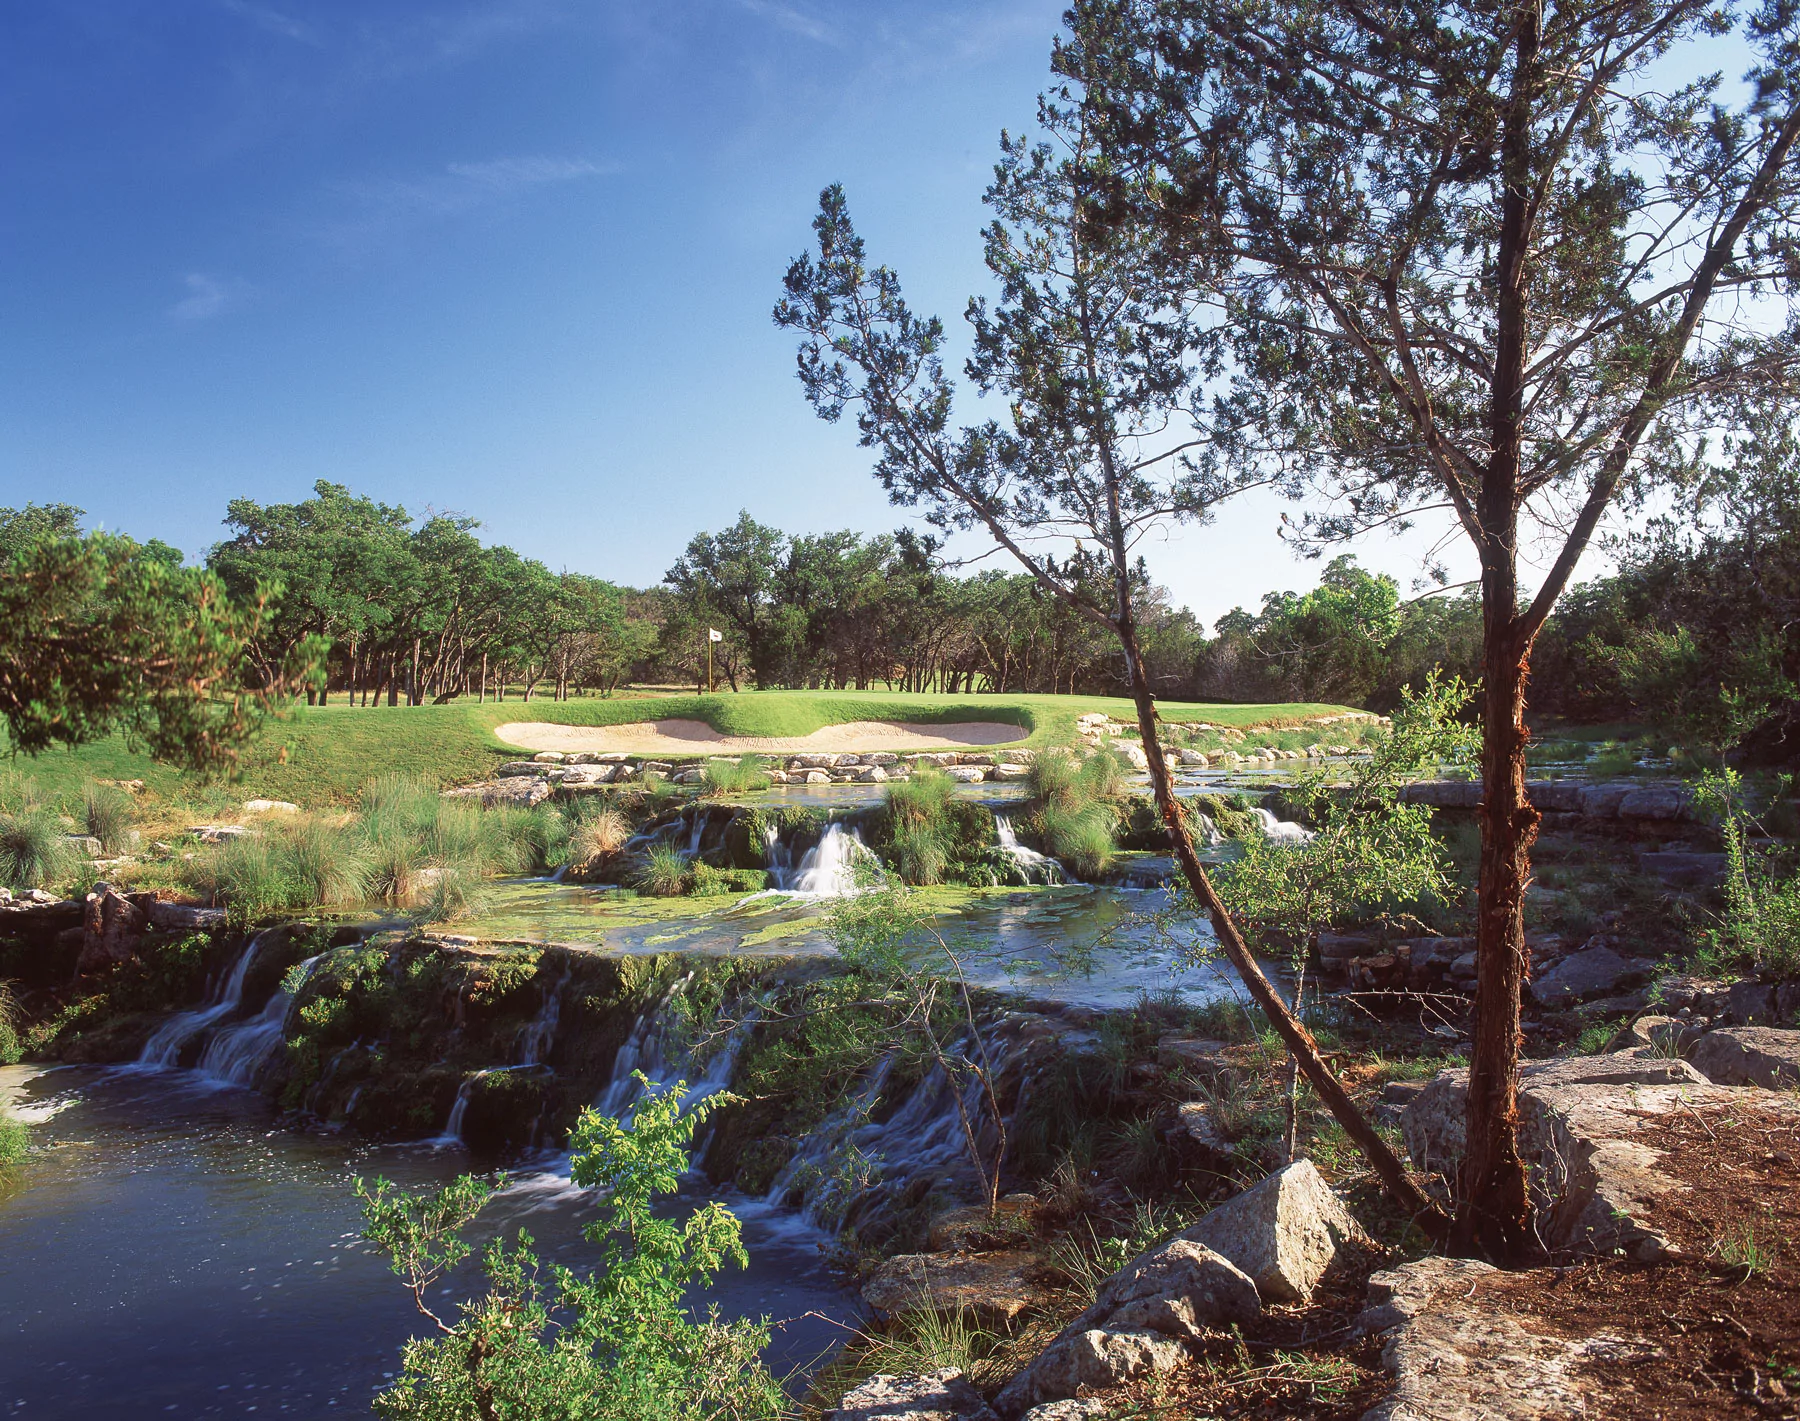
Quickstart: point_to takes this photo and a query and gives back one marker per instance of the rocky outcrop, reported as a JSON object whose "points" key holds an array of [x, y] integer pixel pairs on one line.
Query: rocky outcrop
{"points": [[1631, 801], [1284, 1234], [1749, 1055], [937, 1396], [1586, 975], [1594, 1182], [1136, 1323], [1091, 1410], [1459, 1352], [112, 927], [989, 1285]]}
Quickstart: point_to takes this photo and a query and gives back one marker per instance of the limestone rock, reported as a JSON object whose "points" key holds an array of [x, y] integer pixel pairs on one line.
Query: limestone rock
{"points": [[817, 777], [936, 1396], [1459, 1352], [814, 762], [1091, 1359], [1198, 759], [112, 926], [180, 917], [1594, 1182], [1284, 1233], [1010, 772], [1679, 869], [1751, 1004], [1091, 1410], [1749, 1055], [549, 757], [514, 790], [966, 774], [990, 1285], [1178, 1290], [1664, 802], [883, 758], [518, 767], [218, 833], [871, 774], [270, 806], [1593, 972]]}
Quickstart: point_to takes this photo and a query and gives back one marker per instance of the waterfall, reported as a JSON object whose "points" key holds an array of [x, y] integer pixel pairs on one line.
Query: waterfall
{"points": [[165, 1046], [829, 869], [1282, 831], [237, 1054], [1033, 866], [1209, 831], [539, 1034], [453, 1127]]}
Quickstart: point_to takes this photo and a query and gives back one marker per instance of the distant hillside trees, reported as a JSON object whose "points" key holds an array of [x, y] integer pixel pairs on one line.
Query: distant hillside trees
{"points": [[421, 612]]}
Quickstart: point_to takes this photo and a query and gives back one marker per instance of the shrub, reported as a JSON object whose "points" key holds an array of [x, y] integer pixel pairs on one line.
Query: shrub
{"points": [[616, 1344], [665, 873], [1760, 928], [107, 813], [34, 850]]}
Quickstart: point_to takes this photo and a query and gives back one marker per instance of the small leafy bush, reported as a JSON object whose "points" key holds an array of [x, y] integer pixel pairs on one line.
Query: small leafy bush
{"points": [[1759, 931], [15, 1141], [613, 1344]]}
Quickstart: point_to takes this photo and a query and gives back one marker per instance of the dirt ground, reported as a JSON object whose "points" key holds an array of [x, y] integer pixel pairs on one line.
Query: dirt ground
{"points": [[691, 737]]}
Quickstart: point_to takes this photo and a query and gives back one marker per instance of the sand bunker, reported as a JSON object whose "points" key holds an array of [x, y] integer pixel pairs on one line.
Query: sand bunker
{"points": [[696, 737]]}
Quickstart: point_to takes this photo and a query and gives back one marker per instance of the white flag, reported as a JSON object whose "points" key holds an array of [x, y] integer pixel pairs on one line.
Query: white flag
{"points": [[713, 635]]}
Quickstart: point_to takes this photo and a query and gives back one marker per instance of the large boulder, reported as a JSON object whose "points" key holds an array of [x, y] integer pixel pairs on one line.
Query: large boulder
{"points": [[936, 1396], [1597, 971], [1458, 1351], [1092, 1360], [989, 1285], [1177, 1291], [112, 927], [1660, 802], [1749, 1055], [1594, 1182], [1284, 1233], [183, 917]]}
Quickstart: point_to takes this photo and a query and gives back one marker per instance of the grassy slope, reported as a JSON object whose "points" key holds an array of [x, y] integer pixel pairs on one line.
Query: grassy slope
{"points": [[326, 754]]}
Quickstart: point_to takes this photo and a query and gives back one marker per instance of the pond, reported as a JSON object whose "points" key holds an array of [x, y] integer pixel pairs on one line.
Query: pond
{"points": [[171, 1251]]}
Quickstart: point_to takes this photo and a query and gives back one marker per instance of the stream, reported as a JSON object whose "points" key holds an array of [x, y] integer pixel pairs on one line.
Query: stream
{"points": [[171, 1251]]}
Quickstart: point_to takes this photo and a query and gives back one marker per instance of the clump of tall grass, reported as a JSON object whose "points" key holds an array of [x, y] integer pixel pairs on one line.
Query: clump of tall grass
{"points": [[665, 873], [34, 847], [107, 813], [1075, 820], [11, 1047], [739, 776], [596, 838], [919, 831], [15, 1140]]}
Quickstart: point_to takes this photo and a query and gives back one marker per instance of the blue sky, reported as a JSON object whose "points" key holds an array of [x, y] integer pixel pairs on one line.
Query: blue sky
{"points": [[512, 259]]}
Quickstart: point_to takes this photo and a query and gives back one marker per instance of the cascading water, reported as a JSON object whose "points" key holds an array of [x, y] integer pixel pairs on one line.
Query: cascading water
{"points": [[1033, 866], [165, 1046], [1282, 831], [539, 1035], [832, 868], [237, 1054]]}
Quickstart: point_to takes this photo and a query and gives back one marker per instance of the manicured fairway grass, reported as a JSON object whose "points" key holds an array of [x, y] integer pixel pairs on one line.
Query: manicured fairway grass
{"points": [[324, 755]]}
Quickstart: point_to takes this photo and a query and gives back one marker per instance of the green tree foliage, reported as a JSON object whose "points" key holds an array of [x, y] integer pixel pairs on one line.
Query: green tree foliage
{"points": [[101, 634], [1486, 259], [1368, 853], [418, 612], [548, 1343]]}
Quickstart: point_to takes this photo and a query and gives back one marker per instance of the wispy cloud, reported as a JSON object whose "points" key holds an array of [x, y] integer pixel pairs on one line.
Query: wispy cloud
{"points": [[208, 296], [793, 20], [375, 209], [267, 18]]}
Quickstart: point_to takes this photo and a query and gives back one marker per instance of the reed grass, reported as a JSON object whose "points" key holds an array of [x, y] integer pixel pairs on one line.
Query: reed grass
{"points": [[34, 847], [107, 813]]}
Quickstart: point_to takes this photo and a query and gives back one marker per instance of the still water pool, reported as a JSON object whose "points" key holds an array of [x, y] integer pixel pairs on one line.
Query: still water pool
{"points": [[169, 1251]]}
